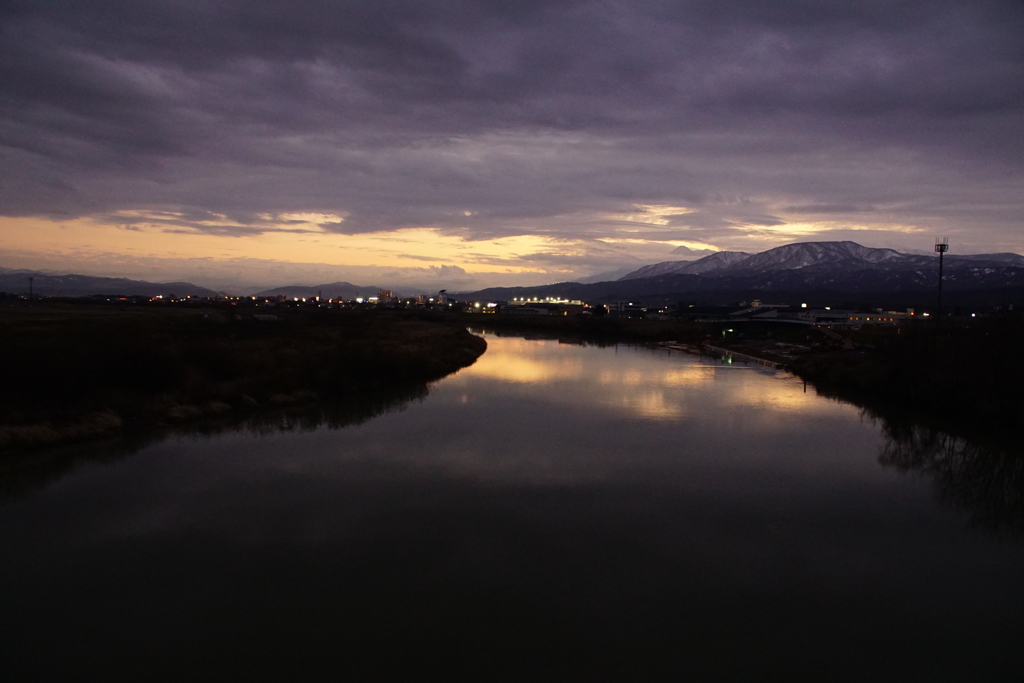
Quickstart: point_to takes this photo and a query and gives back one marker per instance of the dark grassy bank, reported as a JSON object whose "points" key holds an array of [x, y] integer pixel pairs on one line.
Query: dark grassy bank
{"points": [[73, 373], [964, 380]]}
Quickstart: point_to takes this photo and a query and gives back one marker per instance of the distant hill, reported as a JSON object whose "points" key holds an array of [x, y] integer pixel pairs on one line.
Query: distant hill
{"points": [[332, 290], [1002, 257], [835, 271], [804, 254], [692, 254], [607, 275], [43, 284], [716, 261], [682, 256], [845, 256]]}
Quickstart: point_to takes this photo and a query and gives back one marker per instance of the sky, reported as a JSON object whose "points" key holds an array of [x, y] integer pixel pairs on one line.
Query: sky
{"points": [[461, 144]]}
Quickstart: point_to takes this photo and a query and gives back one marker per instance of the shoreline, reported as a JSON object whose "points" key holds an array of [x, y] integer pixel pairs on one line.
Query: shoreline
{"points": [[80, 379], [84, 374], [952, 380]]}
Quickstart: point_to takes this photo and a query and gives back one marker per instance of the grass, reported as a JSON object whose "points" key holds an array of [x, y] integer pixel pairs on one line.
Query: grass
{"points": [[79, 372], [962, 379]]}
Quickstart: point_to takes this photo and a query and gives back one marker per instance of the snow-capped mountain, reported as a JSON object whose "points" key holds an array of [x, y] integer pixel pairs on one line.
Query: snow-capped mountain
{"points": [[719, 260], [846, 271], [681, 255], [607, 275], [803, 254], [685, 253], [843, 257]]}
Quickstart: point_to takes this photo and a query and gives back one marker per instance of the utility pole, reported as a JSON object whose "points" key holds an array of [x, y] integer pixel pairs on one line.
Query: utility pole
{"points": [[941, 246], [30, 279]]}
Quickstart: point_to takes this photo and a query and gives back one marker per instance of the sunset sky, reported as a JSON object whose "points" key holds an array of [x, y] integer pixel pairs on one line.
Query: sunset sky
{"points": [[458, 144]]}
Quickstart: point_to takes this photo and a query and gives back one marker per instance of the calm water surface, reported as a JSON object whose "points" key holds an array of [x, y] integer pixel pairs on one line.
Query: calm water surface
{"points": [[553, 512]]}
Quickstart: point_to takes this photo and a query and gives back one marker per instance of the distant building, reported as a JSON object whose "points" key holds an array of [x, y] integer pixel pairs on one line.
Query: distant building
{"points": [[529, 301], [627, 309], [755, 312], [530, 310], [880, 318], [823, 315], [550, 305]]}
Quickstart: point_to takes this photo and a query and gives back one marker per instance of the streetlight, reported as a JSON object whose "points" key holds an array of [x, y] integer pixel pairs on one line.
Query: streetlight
{"points": [[941, 247]]}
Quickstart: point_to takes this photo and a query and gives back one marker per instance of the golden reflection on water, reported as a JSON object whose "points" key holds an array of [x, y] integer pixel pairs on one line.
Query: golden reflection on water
{"points": [[784, 393], [653, 404], [515, 363], [689, 375], [641, 382]]}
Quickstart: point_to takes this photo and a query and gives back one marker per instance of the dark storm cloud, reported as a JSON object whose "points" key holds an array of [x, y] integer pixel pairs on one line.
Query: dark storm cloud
{"points": [[494, 118]]}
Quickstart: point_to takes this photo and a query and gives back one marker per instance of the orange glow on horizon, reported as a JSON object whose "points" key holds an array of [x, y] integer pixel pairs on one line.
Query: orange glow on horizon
{"points": [[290, 243]]}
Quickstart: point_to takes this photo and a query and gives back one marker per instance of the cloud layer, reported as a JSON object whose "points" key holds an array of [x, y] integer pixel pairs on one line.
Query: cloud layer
{"points": [[575, 121]]}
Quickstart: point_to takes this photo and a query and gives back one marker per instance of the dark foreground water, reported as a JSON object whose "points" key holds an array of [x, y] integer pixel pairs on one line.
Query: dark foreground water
{"points": [[554, 512]]}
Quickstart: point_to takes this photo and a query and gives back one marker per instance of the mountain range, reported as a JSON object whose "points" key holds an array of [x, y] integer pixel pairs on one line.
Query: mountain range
{"points": [[682, 254], [44, 284], [332, 290], [70, 285], [831, 271], [846, 255], [804, 271]]}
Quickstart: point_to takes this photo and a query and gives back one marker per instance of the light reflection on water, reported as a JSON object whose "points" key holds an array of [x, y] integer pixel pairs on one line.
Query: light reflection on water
{"points": [[551, 512], [645, 386]]}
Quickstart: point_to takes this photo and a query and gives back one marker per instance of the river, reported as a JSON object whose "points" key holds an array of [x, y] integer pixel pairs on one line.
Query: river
{"points": [[552, 512]]}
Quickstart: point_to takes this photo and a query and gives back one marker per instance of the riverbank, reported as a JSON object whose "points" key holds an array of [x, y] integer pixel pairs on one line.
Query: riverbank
{"points": [[964, 380], [77, 373]]}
